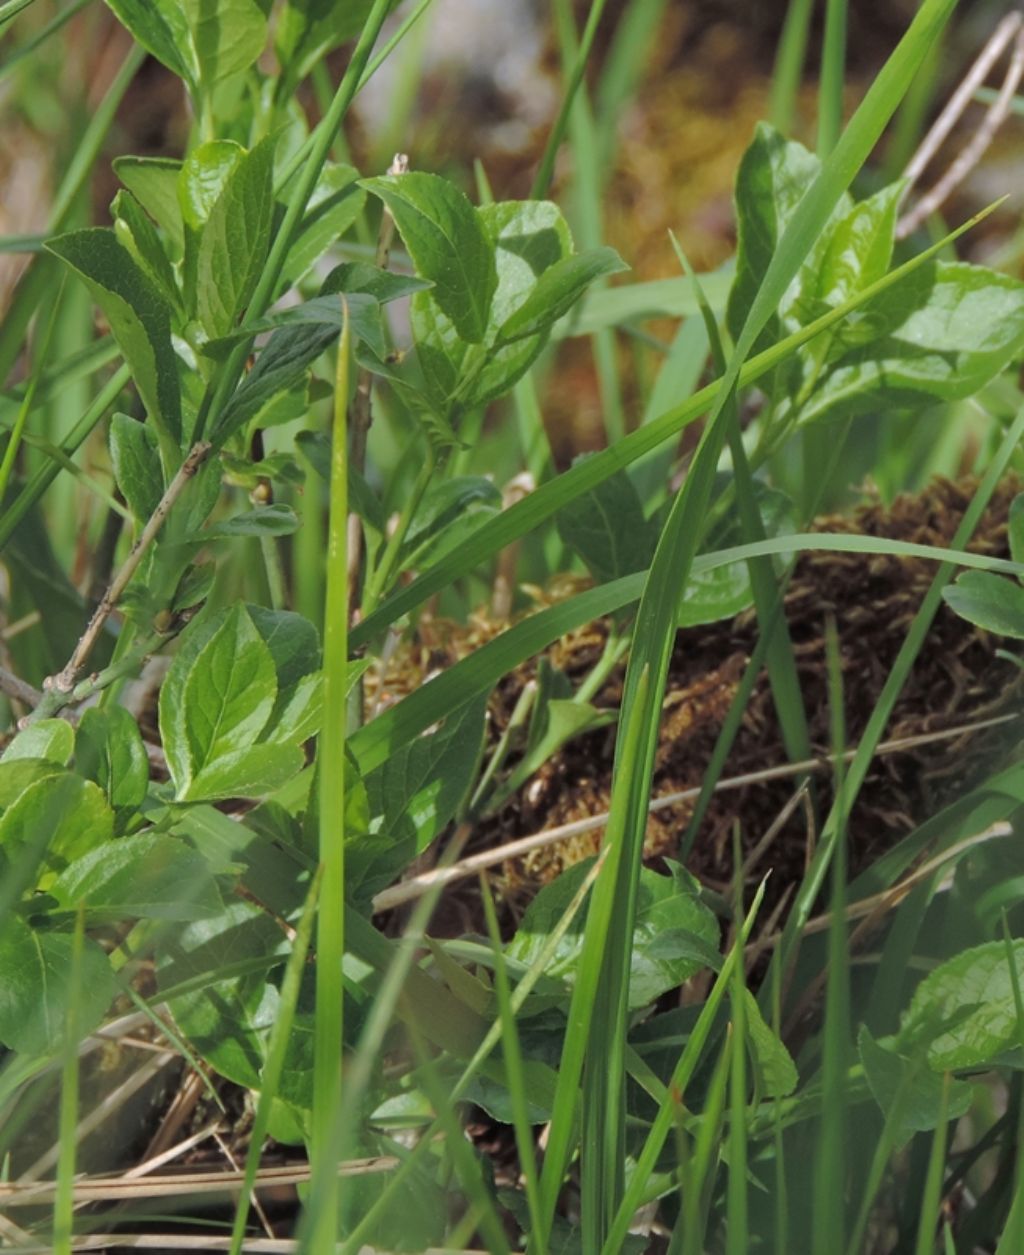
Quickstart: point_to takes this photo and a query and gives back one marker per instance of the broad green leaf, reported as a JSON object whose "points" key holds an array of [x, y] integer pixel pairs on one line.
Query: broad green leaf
{"points": [[147, 876], [51, 739], [447, 240], [772, 178], [319, 314], [153, 181], [109, 750], [450, 510], [230, 692], [963, 1013], [69, 813], [202, 42], [444, 360], [226, 688], [204, 175], [160, 26], [353, 277], [293, 641], [134, 452], [171, 710], [225, 37], [298, 713], [529, 237], [773, 1061], [452, 537], [36, 992], [234, 241], [942, 336], [413, 795], [228, 1022], [279, 366], [336, 202], [277, 519], [139, 317], [557, 290], [607, 529], [989, 601], [666, 905], [859, 249], [17, 775], [907, 1090], [135, 230], [251, 772], [194, 586]]}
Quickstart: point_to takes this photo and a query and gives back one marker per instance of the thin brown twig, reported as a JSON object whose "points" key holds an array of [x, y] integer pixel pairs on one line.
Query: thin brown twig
{"points": [[65, 680], [1011, 28], [11, 686], [114, 1189], [394, 895], [254, 1198], [961, 98]]}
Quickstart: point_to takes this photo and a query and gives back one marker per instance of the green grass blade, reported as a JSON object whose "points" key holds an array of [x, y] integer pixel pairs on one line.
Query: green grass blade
{"points": [[931, 1202], [737, 1235], [607, 939], [546, 169], [277, 1048], [681, 1076], [833, 76], [67, 1121], [328, 1031], [587, 169], [11, 8], [525, 986], [513, 1061], [830, 1174], [1012, 1238], [789, 64], [589, 980], [700, 1172]]}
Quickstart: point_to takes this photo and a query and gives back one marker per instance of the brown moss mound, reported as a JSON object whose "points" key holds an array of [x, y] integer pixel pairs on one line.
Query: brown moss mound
{"points": [[957, 680]]}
